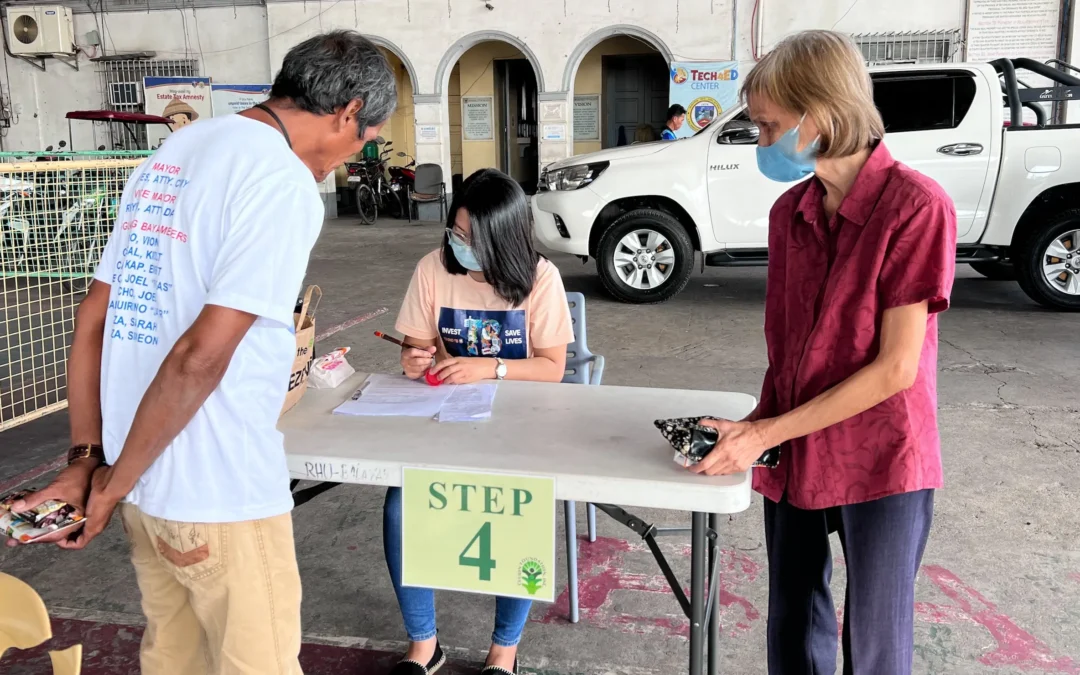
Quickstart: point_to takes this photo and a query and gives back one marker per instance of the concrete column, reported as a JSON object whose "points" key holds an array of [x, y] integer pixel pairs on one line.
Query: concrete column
{"points": [[1073, 110], [432, 121], [556, 126]]}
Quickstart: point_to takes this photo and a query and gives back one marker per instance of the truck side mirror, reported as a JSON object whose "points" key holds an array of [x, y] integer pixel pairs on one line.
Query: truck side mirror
{"points": [[738, 135]]}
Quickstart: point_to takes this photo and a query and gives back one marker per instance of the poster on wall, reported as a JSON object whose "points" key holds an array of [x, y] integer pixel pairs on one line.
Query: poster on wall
{"points": [[1014, 28], [706, 90], [229, 99], [182, 100], [587, 118], [477, 120]]}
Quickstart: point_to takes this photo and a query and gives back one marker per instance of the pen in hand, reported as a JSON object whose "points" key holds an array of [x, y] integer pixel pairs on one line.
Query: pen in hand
{"points": [[429, 377]]}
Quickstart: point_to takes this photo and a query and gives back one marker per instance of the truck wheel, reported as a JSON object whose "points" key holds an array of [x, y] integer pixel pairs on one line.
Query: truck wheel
{"points": [[645, 257], [995, 270], [1048, 264]]}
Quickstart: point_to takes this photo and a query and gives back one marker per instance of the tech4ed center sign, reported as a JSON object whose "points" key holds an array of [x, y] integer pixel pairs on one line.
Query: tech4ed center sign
{"points": [[706, 90]]}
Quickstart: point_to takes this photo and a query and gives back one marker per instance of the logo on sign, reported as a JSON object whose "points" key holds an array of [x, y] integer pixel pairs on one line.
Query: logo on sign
{"points": [[532, 575], [702, 112], [679, 75]]}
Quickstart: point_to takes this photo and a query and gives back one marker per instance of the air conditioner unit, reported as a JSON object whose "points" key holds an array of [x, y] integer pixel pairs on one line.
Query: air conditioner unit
{"points": [[40, 30]]}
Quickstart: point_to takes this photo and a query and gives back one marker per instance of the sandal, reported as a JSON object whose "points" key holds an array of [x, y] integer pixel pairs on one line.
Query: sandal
{"points": [[499, 670], [410, 667]]}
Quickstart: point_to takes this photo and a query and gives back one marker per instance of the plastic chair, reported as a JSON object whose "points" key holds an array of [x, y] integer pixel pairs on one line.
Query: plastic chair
{"points": [[24, 621], [67, 661], [582, 367], [24, 624], [428, 188]]}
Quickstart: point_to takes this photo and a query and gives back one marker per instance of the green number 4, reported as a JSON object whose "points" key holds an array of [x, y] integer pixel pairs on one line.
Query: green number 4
{"points": [[483, 561]]}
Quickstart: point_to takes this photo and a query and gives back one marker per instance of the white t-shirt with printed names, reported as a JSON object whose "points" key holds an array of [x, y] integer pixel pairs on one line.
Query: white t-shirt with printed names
{"points": [[225, 214]]}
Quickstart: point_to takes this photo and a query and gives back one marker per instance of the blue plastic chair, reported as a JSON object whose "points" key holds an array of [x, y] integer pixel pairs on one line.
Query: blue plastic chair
{"points": [[582, 367]]}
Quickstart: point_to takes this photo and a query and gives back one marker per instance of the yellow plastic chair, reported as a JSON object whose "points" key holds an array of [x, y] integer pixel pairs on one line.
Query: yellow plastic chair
{"points": [[67, 661], [24, 624], [24, 621]]}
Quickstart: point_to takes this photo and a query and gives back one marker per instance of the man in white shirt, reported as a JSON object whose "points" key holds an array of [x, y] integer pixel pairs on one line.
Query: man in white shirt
{"points": [[181, 358]]}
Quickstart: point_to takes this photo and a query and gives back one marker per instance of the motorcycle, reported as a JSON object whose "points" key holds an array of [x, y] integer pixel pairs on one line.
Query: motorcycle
{"points": [[374, 192], [403, 179]]}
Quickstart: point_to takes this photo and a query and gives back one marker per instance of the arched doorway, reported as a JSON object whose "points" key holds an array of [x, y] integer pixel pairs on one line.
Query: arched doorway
{"points": [[620, 79], [492, 84], [400, 129]]}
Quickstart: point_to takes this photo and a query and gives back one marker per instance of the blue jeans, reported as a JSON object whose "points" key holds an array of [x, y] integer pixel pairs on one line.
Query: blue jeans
{"points": [[418, 604]]}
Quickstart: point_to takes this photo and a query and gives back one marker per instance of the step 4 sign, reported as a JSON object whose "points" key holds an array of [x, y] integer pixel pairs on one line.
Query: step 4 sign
{"points": [[479, 533]]}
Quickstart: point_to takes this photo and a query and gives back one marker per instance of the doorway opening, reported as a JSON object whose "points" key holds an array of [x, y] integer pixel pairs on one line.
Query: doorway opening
{"points": [[621, 92], [494, 114]]}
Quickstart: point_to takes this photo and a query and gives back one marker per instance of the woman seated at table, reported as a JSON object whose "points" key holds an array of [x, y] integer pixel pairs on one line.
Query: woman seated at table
{"points": [[484, 306]]}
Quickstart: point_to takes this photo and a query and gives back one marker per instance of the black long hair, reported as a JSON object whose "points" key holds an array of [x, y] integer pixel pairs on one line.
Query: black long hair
{"points": [[502, 233]]}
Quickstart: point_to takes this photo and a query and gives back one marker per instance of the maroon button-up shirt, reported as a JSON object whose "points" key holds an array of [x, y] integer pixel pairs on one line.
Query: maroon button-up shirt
{"points": [[892, 243]]}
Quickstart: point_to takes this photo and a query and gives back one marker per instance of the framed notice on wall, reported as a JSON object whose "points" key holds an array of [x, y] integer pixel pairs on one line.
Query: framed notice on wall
{"points": [[1012, 28], [587, 118], [477, 118]]}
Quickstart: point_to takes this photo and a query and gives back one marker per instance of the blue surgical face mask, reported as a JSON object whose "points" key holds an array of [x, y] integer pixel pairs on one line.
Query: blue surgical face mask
{"points": [[464, 254], [784, 162]]}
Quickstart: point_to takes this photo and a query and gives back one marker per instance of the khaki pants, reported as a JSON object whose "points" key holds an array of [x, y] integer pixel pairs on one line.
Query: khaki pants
{"points": [[219, 599]]}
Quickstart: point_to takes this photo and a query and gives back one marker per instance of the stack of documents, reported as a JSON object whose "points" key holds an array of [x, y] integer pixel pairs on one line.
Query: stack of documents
{"points": [[468, 403], [398, 396]]}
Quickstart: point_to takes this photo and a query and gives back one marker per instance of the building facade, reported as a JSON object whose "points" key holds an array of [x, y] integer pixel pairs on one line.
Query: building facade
{"points": [[481, 82]]}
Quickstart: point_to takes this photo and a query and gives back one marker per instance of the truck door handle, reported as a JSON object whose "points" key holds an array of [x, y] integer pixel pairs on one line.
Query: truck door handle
{"points": [[961, 149]]}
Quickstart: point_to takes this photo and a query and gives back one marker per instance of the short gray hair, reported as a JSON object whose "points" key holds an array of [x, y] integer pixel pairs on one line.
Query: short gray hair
{"points": [[323, 74]]}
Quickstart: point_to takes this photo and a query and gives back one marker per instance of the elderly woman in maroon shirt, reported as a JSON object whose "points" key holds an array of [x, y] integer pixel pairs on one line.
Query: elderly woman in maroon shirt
{"points": [[861, 260]]}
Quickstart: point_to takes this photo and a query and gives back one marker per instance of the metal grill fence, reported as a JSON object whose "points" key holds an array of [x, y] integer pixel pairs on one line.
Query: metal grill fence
{"points": [[938, 46], [122, 90], [55, 218]]}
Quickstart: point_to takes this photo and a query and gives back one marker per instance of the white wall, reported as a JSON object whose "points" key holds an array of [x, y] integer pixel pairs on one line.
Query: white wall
{"points": [[230, 44]]}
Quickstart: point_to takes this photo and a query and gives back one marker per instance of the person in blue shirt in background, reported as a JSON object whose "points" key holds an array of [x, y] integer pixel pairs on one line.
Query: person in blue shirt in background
{"points": [[676, 115]]}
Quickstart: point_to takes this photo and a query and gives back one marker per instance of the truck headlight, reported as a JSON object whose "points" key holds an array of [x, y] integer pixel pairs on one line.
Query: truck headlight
{"points": [[571, 177]]}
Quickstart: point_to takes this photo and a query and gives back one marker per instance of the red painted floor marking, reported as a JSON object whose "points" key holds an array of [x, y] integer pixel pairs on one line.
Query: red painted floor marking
{"points": [[1015, 647], [30, 474], [600, 573], [332, 330]]}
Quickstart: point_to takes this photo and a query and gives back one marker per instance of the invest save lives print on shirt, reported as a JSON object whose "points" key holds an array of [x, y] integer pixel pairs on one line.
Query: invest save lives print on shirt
{"points": [[472, 332], [138, 289]]}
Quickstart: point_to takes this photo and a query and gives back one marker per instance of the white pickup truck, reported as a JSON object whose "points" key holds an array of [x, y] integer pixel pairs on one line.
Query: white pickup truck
{"points": [[645, 211]]}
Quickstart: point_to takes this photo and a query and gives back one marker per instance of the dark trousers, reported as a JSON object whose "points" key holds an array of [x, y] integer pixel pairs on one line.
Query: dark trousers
{"points": [[883, 542]]}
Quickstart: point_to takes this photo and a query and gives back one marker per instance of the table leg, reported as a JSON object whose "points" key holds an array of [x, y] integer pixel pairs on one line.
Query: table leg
{"points": [[570, 514], [698, 543], [713, 653]]}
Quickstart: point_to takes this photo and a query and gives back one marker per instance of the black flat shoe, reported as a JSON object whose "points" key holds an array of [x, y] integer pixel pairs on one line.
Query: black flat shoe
{"points": [[499, 670], [410, 667]]}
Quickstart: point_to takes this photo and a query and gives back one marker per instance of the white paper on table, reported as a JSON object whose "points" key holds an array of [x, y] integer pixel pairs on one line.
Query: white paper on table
{"points": [[469, 403], [396, 395]]}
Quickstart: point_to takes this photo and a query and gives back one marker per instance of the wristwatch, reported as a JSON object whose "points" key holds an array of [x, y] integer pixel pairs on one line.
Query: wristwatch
{"points": [[500, 369], [84, 450]]}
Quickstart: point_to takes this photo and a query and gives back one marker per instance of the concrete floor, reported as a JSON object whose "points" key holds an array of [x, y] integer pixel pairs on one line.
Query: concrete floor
{"points": [[1000, 589]]}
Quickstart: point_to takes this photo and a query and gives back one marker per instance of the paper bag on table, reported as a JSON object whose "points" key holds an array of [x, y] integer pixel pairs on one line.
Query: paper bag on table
{"points": [[304, 323]]}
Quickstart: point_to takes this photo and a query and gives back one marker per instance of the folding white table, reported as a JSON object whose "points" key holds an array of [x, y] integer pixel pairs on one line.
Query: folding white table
{"points": [[599, 443]]}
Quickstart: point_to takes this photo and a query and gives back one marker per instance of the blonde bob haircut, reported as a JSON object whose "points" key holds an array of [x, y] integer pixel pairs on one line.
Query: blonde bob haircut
{"points": [[821, 74]]}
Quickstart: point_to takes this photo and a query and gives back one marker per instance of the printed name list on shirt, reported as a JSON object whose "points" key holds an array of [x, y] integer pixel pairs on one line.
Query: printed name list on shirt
{"points": [[137, 283]]}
